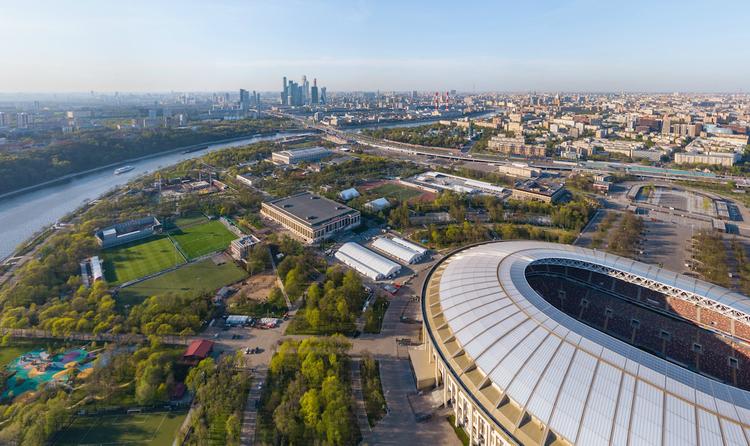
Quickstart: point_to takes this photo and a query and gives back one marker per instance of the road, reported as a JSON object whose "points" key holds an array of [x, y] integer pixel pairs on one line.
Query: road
{"points": [[399, 426]]}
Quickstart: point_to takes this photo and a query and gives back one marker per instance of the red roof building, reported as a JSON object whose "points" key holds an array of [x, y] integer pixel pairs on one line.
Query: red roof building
{"points": [[198, 350]]}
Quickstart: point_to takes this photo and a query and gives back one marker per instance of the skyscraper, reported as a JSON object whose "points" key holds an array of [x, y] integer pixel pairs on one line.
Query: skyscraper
{"points": [[323, 98], [244, 99], [4, 119], [305, 89], [314, 92], [285, 94], [22, 120]]}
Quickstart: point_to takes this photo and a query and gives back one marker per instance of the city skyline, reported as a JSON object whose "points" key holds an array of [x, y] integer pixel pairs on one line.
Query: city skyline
{"points": [[570, 46]]}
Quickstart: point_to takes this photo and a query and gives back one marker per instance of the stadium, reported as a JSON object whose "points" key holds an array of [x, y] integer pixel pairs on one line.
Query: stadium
{"points": [[537, 343]]}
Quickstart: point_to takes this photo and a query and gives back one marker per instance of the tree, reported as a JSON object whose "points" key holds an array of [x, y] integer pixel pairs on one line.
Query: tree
{"points": [[233, 428], [310, 407]]}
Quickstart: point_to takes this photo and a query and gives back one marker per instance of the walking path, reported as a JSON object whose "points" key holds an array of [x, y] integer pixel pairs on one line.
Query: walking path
{"points": [[250, 417], [359, 400]]}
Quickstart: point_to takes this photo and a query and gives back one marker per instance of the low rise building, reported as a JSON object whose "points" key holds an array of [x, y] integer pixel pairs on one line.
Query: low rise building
{"points": [[535, 190], [240, 248], [296, 156], [727, 159], [717, 144], [514, 146], [311, 217], [128, 231], [437, 181], [519, 170], [245, 179]]}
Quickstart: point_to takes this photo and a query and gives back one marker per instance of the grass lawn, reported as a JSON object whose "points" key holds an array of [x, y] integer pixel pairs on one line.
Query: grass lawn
{"points": [[153, 429], [16, 348], [372, 391], [196, 278], [374, 315], [460, 432], [401, 193], [199, 240], [138, 259], [189, 220]]}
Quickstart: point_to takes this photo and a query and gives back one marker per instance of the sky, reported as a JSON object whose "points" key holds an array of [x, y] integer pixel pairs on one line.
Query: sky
{"points": [[565, 45]]}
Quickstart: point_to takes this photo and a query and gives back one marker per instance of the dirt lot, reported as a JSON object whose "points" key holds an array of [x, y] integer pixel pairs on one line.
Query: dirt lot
{"points": [[258, 286]]}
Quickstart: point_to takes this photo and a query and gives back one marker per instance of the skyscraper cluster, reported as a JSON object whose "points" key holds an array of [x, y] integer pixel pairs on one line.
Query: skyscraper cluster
{"points": [[298, 94], [248, 100]]}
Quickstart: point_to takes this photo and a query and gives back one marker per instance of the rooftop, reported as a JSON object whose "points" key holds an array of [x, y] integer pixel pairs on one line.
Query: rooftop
{"points": [[200, 348], [307, 151], [310, 208], [479, 302], [534, 186]]}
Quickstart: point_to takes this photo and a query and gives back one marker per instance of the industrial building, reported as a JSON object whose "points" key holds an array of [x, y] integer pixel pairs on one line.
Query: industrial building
{"points": [[399, 251], [533, 343], [128, 231], [311, 217], [367, 262], [436, 181], [296, 156]]}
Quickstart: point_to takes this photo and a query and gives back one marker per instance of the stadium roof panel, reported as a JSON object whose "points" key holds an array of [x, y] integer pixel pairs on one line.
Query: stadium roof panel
{"points": [[587, 386]]}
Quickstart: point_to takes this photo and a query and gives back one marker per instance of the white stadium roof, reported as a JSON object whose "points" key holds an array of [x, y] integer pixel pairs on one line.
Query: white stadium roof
{"points": [[367, 262], [397, 250], [586, 386]]}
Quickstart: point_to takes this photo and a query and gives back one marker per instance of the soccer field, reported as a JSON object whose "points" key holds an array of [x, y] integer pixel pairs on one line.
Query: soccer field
{"points": [[401, 193], [196, 278], [206, 238], [138, 259], [148, 429]]}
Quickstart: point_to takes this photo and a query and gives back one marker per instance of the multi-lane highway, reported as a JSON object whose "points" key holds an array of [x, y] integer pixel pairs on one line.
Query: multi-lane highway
{"points": [[417, 152]]}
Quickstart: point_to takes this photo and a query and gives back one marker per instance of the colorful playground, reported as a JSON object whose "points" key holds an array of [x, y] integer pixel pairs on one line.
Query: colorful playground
{"points": [[37, 368]]}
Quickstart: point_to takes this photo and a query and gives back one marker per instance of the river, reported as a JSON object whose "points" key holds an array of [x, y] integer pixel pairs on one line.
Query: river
{"points": [[23, 215]]}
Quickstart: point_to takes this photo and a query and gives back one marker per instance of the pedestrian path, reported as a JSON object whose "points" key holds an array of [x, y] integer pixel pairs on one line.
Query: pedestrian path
{"points": [[359, 400], [250, 416]]}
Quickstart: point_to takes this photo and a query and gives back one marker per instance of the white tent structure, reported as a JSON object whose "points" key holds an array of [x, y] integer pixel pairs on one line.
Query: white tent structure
{"points": [[378, 204], [348, 194], [393, 249], [407, 244], [366, 262]]}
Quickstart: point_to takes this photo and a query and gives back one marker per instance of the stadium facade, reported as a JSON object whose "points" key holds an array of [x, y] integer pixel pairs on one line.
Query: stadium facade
{"points": [[537, 343]]}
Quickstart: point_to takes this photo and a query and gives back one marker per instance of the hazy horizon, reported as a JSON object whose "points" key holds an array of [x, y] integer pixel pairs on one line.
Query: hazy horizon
{"points": [[70, 47]]}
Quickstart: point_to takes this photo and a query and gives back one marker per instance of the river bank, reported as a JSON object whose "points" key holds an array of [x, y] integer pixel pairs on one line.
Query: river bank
{"points": [[26, 214]]}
